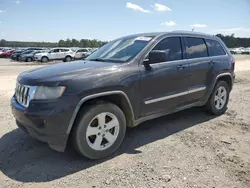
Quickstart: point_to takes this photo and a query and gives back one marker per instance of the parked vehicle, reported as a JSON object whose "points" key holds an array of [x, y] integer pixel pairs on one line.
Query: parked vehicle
{"points": [[127, 81], [237, 50], [246, 51], [6, 53], [4, 50], [30, 55], [81, 53], [16, 55], [65, 54]]}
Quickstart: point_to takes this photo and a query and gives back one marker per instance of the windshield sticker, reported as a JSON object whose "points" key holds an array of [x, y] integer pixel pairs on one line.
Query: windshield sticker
{"points": [[144, 38]]}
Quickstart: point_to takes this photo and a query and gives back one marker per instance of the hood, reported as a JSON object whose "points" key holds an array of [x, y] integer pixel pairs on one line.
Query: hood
{"points": [[66, 71]]}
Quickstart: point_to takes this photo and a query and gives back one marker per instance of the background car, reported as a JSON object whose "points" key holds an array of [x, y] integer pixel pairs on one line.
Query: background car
{"points": [[246, 51], [81, 53], [30, 55], [6, 53], [65, 54], [16, 55], [4, 50]]}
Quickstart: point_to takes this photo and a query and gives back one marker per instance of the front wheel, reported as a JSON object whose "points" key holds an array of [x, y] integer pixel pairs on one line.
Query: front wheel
{"points": [[217, 102], [44, 59], [100, 130], [28, 59]]}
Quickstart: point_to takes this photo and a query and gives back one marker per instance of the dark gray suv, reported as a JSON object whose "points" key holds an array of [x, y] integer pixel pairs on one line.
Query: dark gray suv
{"points": [[129, 80]]}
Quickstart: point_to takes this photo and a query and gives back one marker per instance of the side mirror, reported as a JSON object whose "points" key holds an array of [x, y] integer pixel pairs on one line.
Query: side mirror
{"points": [[157, 56]]}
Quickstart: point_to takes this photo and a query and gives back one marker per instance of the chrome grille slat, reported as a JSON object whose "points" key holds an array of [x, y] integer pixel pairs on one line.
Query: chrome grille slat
{"points": [[22, 94]]}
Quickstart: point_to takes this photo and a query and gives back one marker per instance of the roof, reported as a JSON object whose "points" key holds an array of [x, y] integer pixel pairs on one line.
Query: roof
{"points": [[177, 32]]}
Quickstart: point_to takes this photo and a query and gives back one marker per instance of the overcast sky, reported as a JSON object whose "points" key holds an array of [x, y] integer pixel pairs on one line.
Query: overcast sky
{"points": [[52, 20]]}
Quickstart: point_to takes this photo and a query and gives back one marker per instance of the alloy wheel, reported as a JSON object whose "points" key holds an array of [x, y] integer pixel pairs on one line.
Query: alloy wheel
{"points": [[102, 131], [220, 97]]}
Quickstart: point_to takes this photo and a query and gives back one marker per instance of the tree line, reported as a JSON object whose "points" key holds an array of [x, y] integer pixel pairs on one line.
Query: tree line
{"points": [[62, 43], [230, 40]]}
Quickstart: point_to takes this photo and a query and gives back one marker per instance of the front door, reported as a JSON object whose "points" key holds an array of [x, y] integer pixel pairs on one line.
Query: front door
{"points": [[165, 86], [54, 54]]}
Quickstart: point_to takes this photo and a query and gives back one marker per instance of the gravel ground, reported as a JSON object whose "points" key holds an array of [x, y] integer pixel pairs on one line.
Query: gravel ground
{"points": [[186, 149]]}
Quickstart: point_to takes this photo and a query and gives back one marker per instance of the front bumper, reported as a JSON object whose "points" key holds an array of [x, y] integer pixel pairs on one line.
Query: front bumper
{"points": [[46, 121], [37, 58]]}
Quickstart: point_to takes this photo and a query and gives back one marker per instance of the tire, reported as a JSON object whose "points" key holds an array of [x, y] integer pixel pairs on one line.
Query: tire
{"points": [[18, 58], [218, 100], [67, 59], [28, 59], [44, 59], [88, 146]]}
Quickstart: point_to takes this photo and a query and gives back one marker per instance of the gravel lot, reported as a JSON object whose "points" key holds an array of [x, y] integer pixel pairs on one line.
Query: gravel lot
{"points": [[186, 149]]}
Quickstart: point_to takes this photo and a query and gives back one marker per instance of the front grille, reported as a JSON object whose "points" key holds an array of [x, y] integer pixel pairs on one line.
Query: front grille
{"points": [[22, 94]]}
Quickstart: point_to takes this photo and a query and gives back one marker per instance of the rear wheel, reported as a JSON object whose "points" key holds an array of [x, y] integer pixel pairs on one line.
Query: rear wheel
{"points": [[100, 130], [217, 103]]}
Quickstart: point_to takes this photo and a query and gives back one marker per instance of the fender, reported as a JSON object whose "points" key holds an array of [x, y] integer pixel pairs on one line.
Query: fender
{"points": [[215, 81], [96, 96]]}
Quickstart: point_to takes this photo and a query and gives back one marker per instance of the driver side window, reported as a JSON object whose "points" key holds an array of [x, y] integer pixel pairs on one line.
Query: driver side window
{"points": [[172, 47], [55, 51]]}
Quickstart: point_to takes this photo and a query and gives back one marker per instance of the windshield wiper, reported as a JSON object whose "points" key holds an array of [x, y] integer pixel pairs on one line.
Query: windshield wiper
{"points": [[97, 59]]}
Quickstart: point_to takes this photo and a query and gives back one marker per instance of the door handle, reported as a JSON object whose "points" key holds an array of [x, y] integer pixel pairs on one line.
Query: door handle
{"points": [[211, 62], [181, 67]]}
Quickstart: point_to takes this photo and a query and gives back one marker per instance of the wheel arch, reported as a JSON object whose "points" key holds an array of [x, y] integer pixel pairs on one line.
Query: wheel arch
{"points": [[118, 98], [227, 77], [44, 56]]}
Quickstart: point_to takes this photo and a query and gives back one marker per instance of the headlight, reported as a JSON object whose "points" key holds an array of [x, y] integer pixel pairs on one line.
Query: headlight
{"points": [[43, 92]]}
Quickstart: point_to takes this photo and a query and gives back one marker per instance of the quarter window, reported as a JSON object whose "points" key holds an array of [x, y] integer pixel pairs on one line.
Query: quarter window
{"points": [[172, 47], [195, 48], [214, 48]]}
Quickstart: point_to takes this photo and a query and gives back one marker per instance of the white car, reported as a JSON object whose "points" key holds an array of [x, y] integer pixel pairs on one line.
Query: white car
{"points": [[238, 50], [246, 51], [81, 53], [65, 54]]}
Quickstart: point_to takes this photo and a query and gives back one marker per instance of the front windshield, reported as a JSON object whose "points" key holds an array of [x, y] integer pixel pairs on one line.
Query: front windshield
{"points": [[27, 52], [121, 50]]}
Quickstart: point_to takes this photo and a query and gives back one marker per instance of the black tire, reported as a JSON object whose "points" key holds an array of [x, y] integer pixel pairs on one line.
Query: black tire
{"points": [[44, 59], [82, 123], [211, 104], [28, 59], [18, 58], [68, 59]]}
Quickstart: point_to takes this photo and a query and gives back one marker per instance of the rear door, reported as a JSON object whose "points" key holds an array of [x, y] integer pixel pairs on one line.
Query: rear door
{"points": [[200, 67], [166, 85]]}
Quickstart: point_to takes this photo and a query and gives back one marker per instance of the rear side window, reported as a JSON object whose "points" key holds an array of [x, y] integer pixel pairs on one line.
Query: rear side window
{"points": [[214, 48], [172, 47], [195, 48], [82, 50], [64, 50]]}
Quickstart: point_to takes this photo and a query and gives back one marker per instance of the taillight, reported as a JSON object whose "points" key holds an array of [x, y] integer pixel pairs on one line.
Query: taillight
{"points": [[233, 64]]}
